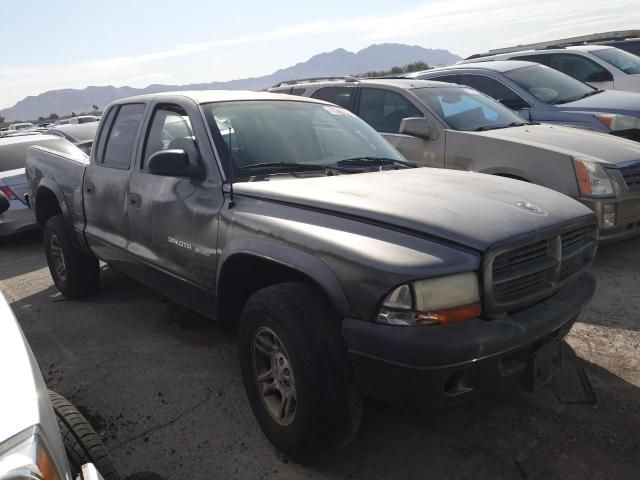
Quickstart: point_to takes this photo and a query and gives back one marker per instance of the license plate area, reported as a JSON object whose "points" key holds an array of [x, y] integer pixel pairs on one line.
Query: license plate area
{"points": [[544, 363]]}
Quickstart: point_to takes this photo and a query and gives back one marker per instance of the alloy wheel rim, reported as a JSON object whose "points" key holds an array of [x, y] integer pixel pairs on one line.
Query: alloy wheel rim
{"points": [[57, 257], [274, 376]]}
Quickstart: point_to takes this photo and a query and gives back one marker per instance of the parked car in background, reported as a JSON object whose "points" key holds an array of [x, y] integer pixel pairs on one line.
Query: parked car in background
{"points": [[602, 67], [83, 119], [542, 94], [81, 135], [13, 184], [436, 124], [18, 127], [42, 435], [344, 270]]}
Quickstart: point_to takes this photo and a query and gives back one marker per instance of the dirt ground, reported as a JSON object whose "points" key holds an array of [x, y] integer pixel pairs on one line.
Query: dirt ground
{"points": [[163, 388]]}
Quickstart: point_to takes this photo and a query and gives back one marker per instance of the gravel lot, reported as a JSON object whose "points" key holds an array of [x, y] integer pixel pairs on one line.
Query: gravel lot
{"points": [[163, 387]]}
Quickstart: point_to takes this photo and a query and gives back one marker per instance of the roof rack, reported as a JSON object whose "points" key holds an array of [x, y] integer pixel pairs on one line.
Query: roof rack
{"points": [[564, 42], [346, 78]]}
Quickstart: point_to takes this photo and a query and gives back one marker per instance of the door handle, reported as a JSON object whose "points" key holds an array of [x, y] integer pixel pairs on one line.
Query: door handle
{"points": [[135, 200], [89, 188]]}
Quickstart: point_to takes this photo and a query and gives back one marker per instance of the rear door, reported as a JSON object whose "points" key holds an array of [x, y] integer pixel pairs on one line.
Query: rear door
{"points": [[384, 110], [106, 183], [173, 221]]}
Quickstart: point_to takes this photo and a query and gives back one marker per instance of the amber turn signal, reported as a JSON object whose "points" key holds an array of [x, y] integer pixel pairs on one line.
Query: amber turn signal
{"points": [[449, 315]]}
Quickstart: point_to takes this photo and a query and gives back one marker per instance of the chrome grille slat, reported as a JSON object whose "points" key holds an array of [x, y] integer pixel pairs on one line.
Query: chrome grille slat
{"points": [[631, 176], [522, 275]]}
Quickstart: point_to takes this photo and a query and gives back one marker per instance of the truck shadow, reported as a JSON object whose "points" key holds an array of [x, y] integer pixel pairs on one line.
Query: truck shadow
{"points": [[20, 254], [584, 424]]}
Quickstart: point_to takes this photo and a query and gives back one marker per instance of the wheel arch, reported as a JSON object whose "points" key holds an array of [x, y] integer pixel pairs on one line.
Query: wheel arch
{"points": [[49, 202], [248, 265]]}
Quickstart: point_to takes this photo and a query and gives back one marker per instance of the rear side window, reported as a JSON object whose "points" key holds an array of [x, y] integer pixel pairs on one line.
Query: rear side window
{"points": [[122, 135], [445, 78], [384, 109], [542, 58], [342, 96], [297, 91]]}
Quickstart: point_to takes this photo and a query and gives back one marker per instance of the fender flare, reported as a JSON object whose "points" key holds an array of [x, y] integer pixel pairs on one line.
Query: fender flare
{"points": [[291, 257], [48, 184]]}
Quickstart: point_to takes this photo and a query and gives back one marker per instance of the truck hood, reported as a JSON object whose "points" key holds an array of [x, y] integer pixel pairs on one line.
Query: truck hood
{"points": [[465, 208], [574, 142], [612, 101]]}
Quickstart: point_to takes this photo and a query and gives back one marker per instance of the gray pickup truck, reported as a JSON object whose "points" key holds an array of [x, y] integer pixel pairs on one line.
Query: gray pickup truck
{"points": [[346, 272]]}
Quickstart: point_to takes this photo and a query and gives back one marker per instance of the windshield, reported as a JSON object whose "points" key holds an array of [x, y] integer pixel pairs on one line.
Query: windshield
{"points": [[466, 109], [549, 85], [625, 61], [291, 136]]}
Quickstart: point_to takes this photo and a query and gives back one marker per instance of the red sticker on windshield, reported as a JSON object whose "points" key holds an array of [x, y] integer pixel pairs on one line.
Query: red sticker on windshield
{"points": [[337, 111]]}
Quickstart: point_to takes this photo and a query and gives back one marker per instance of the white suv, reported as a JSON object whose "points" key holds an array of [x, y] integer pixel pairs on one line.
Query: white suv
{"points": [[608, 68]]}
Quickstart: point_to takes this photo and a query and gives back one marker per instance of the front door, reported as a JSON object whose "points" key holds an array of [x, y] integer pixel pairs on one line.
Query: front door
{"points": [[174, 220], [384, 110]]}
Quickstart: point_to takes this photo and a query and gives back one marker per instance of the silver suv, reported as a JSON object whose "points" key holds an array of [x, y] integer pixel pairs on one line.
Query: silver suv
{"points": [[436, 124]]}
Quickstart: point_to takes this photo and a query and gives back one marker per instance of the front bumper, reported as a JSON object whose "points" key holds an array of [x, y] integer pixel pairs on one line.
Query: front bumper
{"points": [[17, 220], [627, 214], [449, 364]]}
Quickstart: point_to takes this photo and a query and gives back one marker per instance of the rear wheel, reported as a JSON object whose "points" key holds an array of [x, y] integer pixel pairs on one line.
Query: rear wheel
{"points": [[81, 442], [75, 273], [296, 371]]}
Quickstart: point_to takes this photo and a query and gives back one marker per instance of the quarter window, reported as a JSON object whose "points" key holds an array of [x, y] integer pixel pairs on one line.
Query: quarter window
{"points": [[385, 109], [122, 136]]}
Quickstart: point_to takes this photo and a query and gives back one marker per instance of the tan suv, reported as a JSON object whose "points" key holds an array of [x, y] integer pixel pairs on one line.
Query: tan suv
{"points": [[436, 124]]}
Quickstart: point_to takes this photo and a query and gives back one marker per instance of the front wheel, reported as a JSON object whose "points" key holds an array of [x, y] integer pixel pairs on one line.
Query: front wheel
{"points": [[75, 273], [296, 371], [81, 442]]}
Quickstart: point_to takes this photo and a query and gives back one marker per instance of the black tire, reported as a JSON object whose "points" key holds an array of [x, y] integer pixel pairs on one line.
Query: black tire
{"points": [[81, 442], [81, 271], [328, 406]]}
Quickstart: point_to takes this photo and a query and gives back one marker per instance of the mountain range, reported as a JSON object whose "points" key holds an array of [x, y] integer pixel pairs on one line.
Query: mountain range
{"points": [[337, 62]]}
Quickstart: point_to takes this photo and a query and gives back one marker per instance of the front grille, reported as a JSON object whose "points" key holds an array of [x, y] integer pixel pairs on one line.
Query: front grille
{"points": [[631, 175], [524, 274]]}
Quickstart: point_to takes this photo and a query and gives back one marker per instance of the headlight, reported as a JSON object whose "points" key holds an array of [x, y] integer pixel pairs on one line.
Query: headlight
{"points": [[617, 122], [593, 180], [433, 301], [25, 457]]}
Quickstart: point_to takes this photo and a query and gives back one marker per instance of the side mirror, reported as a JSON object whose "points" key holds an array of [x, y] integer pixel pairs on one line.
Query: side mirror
{"points": [[173, 163], [514, 103], [416, 127]]}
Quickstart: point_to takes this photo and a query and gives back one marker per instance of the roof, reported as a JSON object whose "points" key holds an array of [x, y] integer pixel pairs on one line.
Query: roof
{"points": [[496, 65], [210, 96]]}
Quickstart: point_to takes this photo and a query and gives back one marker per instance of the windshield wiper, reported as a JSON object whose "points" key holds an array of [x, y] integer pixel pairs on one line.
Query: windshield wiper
{"points": [[293, 166], [368, 161], [496, 127], [588, 94]]}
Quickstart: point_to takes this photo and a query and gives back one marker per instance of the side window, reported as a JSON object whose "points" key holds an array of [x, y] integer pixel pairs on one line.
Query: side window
{"points": [[385, 109], [446, 78], [297, 91], [170, 129], [544, 59], [342, 96], [122, 136], [494, 89], [580, 68]]}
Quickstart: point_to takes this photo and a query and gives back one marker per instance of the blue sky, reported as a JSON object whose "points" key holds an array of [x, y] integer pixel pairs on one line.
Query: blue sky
{"points": [[48, 45]]}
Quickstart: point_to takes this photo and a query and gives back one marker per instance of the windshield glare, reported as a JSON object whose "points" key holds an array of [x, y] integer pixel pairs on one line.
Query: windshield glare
{"points": [[466, 109], [549, 85], [625, 61], [257, 132]]}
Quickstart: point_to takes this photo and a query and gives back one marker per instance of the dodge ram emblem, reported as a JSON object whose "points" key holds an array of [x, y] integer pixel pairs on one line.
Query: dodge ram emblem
{"points": [[530, 207]]}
